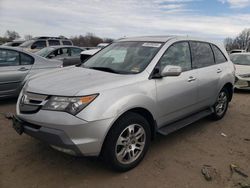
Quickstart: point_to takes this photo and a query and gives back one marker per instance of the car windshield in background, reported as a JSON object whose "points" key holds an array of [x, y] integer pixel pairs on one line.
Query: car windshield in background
{"points": [[124, 57], [45, 51], [27, 43], [240, 59]]}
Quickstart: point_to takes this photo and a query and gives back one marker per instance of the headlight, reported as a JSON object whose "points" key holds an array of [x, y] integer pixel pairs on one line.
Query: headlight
{"points": [[72, 105]]}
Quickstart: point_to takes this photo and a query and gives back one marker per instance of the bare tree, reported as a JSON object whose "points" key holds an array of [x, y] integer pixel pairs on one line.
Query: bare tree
{"points": [[242, 41], [28, 37], [89, 40], [12, 35]]}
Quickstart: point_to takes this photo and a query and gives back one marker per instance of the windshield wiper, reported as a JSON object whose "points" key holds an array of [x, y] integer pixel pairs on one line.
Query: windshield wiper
{"points": [[106, 69]]}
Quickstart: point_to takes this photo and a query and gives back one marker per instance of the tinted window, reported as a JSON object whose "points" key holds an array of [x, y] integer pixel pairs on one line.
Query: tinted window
{"points": [[9, 58], [54, 42], [218, 55], [26, 59], [75, 51], [38, 45], [202, 54], [66, 42], [178, 54]]}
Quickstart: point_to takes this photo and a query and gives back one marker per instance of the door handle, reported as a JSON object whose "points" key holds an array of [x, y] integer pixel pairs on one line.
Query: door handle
{"points": [[191, 79], [23, 69], [219, 70]]}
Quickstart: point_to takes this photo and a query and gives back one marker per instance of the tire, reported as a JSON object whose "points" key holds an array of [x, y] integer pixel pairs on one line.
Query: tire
{"points": [[124, 151], [221, 105]]}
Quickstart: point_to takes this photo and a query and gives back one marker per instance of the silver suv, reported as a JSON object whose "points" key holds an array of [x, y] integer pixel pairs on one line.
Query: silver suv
{"points": [[115, 103], [38, 43]]}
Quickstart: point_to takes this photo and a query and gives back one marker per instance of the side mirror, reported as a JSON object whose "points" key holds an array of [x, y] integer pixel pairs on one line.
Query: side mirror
{"points": [[33, 47], [171, 70]]}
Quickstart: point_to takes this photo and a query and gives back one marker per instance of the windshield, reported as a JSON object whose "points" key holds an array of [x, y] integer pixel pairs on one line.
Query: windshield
{"points": [[240, 59], [27, 43], [45, 51], [124, 57]]}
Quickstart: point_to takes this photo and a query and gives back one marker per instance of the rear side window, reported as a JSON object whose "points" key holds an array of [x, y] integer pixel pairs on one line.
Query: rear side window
{"points": [[38, 44], [9, 58], [218, 55], [202, 55], [66, 42], [26, 59], [178, 54], [54, 42]]}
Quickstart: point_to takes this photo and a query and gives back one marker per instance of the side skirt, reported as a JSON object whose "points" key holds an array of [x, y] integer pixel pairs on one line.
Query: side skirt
{"points": [[184, 122]]}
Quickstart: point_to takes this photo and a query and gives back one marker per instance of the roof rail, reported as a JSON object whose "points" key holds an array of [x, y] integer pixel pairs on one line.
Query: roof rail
{"points": [[45, 37]]}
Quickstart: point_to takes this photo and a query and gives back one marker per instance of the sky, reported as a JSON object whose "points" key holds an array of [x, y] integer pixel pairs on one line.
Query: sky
{"points": [[214, 19]]}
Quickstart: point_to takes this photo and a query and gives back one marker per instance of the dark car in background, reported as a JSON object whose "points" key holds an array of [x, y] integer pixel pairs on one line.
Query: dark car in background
{"points": [[69, 55], [39, 43], [17, 66]]}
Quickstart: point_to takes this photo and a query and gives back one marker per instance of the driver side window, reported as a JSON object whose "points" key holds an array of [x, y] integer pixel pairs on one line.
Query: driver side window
{"points": [[177, 54]]}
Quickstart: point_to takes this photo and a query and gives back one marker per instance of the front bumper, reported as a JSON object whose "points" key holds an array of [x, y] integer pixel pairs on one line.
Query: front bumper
{"points": [[73, 136], [242, 83]]}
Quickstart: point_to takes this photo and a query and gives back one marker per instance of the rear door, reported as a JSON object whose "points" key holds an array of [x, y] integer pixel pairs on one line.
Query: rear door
{"points": [[207, 72], [177, 95], [14, 66]]}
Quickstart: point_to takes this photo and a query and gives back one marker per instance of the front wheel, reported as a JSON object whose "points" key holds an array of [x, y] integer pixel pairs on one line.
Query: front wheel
{"points": [[127, 142], [221, 105]]}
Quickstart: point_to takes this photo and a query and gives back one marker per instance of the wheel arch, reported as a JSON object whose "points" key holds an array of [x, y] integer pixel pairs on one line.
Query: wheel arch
{"points": [[141, 111], [230, 89]]}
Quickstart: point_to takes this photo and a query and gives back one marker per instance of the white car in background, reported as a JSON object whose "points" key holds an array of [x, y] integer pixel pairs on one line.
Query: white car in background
{"points": [[242, 65], [86, 54]]}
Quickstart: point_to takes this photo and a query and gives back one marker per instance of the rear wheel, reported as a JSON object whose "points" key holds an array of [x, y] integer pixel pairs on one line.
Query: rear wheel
{"points": [[221, 105], [127, 142]]}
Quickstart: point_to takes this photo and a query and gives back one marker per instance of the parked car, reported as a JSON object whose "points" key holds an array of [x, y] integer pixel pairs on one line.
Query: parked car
{"points": [[88, 53], [102, 45], [17, 65], [118, 99], [69, 55], [242, 65], [39, 43], [14, 43], [237, 51]]}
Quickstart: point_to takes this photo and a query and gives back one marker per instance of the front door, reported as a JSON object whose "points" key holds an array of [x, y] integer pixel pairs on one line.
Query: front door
{"points": [[176, 95]]}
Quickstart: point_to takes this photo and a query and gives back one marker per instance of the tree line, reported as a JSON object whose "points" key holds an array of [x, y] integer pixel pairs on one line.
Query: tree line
{"points": [[88, 40], [241, 41]]}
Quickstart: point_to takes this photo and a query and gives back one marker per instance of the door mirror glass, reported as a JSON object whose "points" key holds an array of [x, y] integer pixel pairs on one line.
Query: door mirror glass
{"points": [[171, 70]]}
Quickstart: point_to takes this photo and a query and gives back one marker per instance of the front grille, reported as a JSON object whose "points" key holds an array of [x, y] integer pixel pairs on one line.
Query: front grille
{"points": [[31, 102]]}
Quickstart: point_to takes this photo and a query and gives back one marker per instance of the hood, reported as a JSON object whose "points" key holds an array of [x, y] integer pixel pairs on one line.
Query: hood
{"points": [[242, 69], [76, 81]]}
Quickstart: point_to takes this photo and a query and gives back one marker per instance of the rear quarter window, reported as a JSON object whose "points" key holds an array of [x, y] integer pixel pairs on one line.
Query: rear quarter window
{"points": [[26, 59], [218, 55]]}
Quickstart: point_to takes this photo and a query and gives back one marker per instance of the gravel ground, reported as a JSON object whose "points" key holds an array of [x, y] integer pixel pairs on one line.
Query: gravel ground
{"points": [[172, 161]]}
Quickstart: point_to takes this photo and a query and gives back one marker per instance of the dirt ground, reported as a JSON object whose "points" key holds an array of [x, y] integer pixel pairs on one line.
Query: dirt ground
{"points": [[172, 161]]}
